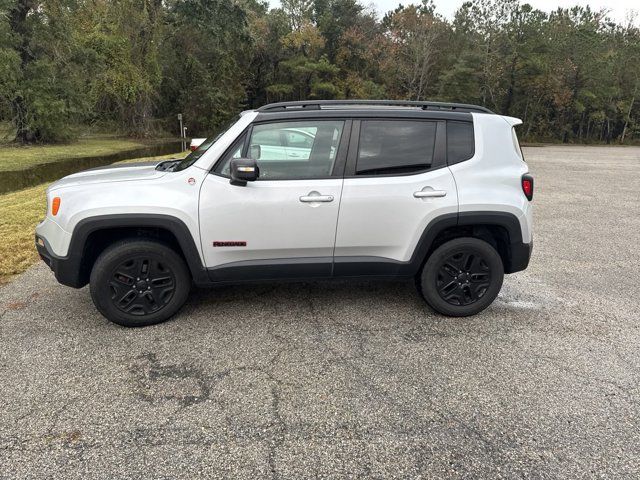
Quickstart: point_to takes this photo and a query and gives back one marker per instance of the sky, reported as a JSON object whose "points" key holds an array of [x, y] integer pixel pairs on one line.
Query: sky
{"points": [[618, 8]]}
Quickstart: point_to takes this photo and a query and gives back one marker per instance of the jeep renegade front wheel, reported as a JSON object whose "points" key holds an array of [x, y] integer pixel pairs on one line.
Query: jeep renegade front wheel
{"points": [[462, 277], [136, 283]]}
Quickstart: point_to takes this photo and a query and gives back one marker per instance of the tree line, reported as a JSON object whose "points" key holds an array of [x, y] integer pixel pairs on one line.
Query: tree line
{"points": [[572, 75]]}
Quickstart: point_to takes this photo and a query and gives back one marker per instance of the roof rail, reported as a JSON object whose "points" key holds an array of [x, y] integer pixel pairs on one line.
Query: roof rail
{"points": [[329, 104]]}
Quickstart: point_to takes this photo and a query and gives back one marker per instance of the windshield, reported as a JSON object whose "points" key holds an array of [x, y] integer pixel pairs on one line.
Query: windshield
{"points": [[204, 146]]}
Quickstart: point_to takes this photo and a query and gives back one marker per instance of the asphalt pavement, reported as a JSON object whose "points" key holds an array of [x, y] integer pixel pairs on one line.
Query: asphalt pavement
{"points": [[351, 380]]}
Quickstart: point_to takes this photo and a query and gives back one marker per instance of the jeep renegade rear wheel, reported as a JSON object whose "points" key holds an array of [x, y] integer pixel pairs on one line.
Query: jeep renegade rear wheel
{"points": [[462, 277], [135, 283]]}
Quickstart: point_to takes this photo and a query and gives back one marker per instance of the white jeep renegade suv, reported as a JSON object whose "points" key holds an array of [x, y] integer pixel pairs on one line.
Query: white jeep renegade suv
{"points": [[303, 190]]}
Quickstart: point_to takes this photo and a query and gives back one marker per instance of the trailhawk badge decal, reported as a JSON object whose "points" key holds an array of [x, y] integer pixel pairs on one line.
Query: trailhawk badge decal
{"points": [[217, 243]]}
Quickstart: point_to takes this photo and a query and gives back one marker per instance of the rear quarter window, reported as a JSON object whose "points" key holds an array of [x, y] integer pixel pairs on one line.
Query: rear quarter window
{"points": [[460, 142]]}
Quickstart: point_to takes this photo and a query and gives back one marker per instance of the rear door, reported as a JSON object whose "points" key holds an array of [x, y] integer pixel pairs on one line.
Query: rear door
{"points": [[396, 182]]}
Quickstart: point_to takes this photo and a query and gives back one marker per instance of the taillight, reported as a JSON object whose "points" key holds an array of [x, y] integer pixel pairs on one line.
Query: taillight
{"points": [[527, 186], [193, 148], [55, 206]]}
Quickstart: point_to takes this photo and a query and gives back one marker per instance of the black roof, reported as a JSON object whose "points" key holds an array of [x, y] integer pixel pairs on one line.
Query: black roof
{"points": [[371, 104]]}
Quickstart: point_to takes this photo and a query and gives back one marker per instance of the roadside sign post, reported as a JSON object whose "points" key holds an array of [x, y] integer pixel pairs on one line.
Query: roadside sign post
{"points": [[182, 137]]}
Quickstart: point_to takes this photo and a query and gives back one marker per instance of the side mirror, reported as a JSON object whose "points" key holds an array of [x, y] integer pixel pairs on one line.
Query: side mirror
{"points": [[243, 170]]}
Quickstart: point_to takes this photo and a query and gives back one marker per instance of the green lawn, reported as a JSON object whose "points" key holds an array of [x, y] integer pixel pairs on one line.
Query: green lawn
{"points": [[19, 157], [21, 212]]}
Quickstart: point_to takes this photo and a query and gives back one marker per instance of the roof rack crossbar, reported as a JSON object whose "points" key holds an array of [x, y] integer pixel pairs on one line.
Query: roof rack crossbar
{"points": [[319, 104]]}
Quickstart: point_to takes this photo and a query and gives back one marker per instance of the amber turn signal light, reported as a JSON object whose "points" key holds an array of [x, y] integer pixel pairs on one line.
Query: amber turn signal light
{"points": [[55, 206]]}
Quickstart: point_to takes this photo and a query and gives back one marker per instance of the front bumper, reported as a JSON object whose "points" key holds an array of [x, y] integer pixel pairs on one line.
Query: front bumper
{"points": [[65, 269]]}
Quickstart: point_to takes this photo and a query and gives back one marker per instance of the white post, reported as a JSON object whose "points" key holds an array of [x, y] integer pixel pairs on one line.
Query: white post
{"points": [[182, 140], [184, 136]]}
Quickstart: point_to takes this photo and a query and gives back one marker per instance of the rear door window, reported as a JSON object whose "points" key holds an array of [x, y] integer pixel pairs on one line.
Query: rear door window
{"points": [[392, 147]]}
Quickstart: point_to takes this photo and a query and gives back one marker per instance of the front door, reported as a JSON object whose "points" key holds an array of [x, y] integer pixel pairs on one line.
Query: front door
{"points": [[283, 225]]}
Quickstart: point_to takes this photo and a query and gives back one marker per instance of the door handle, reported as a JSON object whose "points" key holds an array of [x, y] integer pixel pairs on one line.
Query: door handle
{"points": [[316, 198], [430, 194]]}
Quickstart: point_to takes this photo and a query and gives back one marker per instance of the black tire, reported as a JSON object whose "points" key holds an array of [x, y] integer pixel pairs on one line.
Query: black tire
{"points": [[125, 295], [462, 277]]}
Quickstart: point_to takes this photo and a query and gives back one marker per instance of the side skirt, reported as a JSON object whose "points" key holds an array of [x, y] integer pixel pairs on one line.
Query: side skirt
{"points": [[313, 268], [276, 269]]}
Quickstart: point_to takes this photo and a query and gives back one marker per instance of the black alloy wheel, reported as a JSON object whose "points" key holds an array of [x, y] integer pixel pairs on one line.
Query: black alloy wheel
{"points": [[461, 277], [139, 282], [142, 285]]}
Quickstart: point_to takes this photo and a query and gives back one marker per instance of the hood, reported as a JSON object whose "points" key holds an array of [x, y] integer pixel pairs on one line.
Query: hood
{"points": [[112, 173]]}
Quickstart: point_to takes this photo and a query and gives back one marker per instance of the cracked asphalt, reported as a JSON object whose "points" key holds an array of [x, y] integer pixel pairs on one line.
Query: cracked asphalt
{"points": [[346, 380]]}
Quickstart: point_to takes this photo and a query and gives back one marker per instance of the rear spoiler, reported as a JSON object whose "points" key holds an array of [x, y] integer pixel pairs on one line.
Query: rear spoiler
{"points": [[514, 122]]}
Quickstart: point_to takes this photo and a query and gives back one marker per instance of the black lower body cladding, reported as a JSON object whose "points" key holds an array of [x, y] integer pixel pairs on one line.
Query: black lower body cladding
{"points": [[72, 271]]}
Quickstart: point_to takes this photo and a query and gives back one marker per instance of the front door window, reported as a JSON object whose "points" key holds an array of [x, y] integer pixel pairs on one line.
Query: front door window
{"points": [[293, 150]]}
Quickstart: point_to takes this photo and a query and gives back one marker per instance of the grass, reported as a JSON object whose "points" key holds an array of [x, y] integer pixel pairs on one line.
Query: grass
{"points": [[21, 212], [13, 157]]}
